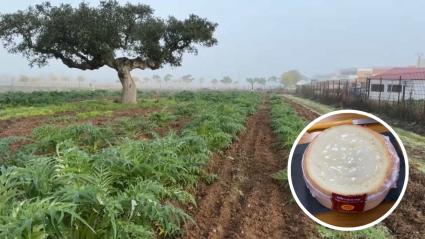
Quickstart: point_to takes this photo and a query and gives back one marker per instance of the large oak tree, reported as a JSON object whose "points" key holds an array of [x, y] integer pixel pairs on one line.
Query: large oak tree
{"points": [[123, 37]]}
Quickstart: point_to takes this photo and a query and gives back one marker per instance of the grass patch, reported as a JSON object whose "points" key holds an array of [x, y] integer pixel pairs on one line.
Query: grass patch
{"points": [[376, 232], [282, 177]]}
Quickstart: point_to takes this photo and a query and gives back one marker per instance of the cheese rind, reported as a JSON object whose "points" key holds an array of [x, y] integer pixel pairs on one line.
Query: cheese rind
{"points": [[347, 160]]}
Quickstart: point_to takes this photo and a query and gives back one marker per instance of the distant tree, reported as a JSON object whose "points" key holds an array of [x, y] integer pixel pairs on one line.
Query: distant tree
{"points": [[214, 82], [187, 79], [123, 37], [290, 78], [226, 80], [272, 79], [24, 79], [80, 80], [168, 77], [251, 81], [158, 80], [261, 80], [66, 80]]}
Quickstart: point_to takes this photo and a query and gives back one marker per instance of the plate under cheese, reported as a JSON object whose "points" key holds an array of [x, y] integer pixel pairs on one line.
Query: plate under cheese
{"points": [[349, 160]]}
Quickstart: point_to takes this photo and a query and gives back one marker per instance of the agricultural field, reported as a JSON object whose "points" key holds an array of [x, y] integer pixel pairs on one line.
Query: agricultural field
{"points": [[170, 119], [121, 173], [174, 165]]}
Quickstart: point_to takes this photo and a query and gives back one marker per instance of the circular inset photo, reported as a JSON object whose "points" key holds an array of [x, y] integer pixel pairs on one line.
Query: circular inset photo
{"points": [[348, 170]]}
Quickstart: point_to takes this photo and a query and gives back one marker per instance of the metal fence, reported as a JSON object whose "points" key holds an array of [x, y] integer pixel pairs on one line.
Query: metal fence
{"points": [[401, 99]]}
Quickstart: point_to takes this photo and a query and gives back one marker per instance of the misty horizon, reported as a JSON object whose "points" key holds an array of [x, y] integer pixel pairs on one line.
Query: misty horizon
{"points": [[268, 38]]}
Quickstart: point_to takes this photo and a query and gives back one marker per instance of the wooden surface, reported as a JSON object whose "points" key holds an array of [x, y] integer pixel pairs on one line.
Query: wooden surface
{"points": [[349, 219], [358, 219], [309, 136]]}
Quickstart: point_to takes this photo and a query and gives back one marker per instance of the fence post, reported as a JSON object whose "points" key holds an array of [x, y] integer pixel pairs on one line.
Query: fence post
{"points": [[368, 87], [399, 85], [404, 92], [329, 87], [380, 90], [339, 88], [347, 91]]}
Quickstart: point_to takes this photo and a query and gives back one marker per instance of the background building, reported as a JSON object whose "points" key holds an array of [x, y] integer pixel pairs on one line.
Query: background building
{"points": [[396, 84]]}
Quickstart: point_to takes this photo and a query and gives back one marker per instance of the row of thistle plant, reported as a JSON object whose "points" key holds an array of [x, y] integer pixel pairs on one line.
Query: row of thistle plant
{"points": [[287, 125], [83, 181]]}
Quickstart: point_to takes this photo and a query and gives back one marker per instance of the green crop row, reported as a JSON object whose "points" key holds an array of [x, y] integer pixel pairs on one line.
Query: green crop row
{"points": [[87, 106], [285, 121], [38, 98], [84, 181], [82, 106]]}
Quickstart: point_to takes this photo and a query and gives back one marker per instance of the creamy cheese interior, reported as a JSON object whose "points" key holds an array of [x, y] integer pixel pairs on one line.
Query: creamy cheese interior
{"points": [[348, 160]]}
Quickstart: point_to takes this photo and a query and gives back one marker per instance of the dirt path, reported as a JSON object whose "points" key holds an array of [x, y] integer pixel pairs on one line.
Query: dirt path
{"points": [[408, 220], [245, 202]]}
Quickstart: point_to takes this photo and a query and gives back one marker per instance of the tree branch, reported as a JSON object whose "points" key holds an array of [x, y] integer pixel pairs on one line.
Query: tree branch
{"points": [[84, 65]]}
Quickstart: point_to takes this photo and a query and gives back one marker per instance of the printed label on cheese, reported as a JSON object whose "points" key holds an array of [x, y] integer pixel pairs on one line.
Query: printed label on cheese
{"points": [[352, 203]]}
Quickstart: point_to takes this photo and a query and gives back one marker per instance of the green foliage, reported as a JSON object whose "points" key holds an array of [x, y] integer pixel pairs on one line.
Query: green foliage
{"points": [[130, 30], [290, 78], [6, 153], [285, 122], [90, 137], [94, 114], [226, 80], [40, 98], [376, 232], [131, 127], [84, 108], [185, 95], [84, 181], [161, 117], [219, 125], [282, 177]]}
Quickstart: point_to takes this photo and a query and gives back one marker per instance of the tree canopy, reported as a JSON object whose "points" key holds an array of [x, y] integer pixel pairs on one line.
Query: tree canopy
{"points": [[187, 78], [226, 80], [123, 37], [261, 80], [290, 78]]}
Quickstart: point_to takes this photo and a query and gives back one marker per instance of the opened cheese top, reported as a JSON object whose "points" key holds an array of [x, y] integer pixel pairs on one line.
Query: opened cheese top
{"points": [[347, 160]]}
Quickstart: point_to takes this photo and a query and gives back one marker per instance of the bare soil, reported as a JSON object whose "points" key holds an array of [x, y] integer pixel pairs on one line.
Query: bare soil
{"points": [[21, 126], [245, 202], [408, 220], [302, 111], [24, 126]]}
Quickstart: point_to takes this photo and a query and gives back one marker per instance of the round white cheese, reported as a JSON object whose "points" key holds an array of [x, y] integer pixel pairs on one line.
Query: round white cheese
{"points": [[347, 160]]}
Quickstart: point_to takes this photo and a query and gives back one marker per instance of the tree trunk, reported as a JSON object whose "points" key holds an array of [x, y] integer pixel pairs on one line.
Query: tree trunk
{"points": [[129, 89]]}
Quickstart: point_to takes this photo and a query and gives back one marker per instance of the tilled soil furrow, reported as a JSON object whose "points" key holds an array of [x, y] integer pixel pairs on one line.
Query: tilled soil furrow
{"points": [[221, 198], [258, 205], [245, 202]]}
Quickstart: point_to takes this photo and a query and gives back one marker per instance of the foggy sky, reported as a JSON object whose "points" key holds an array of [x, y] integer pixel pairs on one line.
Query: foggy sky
{"points": [[264, 38]]}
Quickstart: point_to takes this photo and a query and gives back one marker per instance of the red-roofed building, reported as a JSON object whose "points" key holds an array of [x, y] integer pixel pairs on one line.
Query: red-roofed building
{"points": [[400, 83]]}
